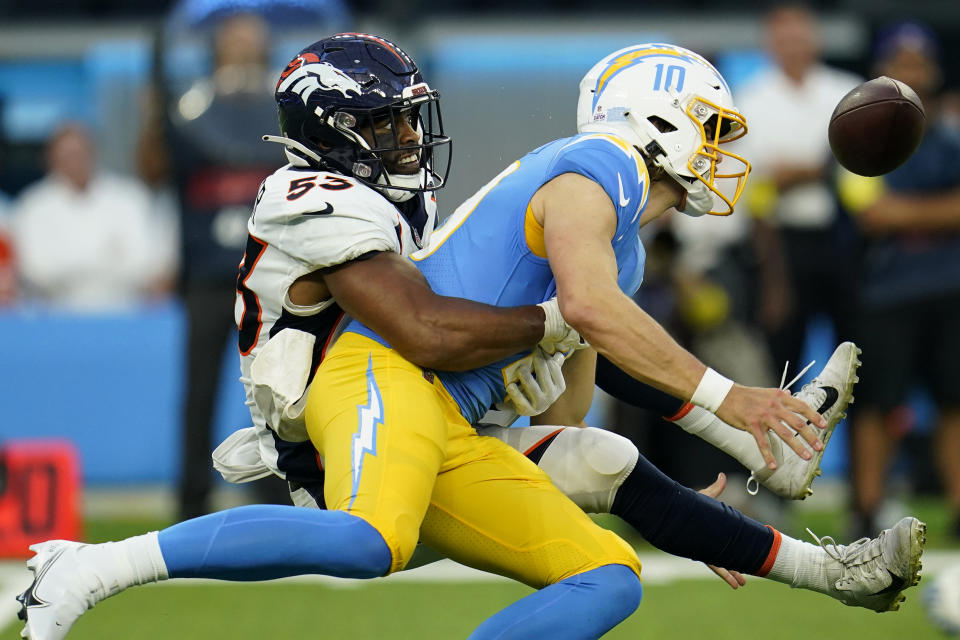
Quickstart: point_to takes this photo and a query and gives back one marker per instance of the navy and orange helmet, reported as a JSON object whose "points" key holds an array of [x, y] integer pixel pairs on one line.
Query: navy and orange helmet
{"points": [[340, 87]]}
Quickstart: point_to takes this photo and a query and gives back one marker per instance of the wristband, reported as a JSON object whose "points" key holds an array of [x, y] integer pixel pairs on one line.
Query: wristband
{"points": [[554, 326], [711, 391]]}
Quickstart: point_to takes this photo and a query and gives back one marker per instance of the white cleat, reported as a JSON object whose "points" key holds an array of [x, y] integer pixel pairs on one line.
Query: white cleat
{"points": [[829, 393], [59, 594], [874, 573]]}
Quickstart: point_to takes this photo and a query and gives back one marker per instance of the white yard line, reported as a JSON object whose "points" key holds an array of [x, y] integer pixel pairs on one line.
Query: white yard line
{"points": [[658, 568]]}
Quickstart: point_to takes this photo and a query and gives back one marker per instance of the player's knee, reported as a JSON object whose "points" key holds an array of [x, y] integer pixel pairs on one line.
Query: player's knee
{"points": [[589, 465], [402, 543], [369, 554], [618, 587], [624, 588]]}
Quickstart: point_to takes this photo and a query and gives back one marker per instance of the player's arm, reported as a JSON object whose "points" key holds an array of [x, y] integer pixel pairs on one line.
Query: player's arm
{"points": [[894, 213], [388, 294], [570, 409], [579, 221]]}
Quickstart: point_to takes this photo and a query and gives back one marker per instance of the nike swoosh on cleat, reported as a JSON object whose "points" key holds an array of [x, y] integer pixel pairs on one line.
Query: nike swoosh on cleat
{"points": [[28, 598], [896, 584], [623, 201], [832, 396]]}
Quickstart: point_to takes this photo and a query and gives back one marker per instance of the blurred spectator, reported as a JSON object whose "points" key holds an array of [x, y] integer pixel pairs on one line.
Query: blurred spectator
{"points": [[84, 238], [8, 274], [911, 286], [804, 260], [217, 161]]}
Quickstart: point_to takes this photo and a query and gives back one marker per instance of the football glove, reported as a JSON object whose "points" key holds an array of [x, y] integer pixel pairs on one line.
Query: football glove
{"points": [[535, 382]]}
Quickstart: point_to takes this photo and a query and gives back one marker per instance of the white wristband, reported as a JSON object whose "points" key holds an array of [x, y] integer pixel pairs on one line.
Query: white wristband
{"points": [[711, 391], [554, 326]]}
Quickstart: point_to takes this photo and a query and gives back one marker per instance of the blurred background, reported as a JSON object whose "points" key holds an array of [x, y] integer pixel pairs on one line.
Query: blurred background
{"points": [[130, 157]]}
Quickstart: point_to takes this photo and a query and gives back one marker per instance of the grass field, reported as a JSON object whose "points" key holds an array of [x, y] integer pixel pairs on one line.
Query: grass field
{"points": [[426, 610], [684, 609]]}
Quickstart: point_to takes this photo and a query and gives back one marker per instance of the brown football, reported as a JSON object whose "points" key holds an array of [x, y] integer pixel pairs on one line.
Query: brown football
{"points": [[877, 126]]}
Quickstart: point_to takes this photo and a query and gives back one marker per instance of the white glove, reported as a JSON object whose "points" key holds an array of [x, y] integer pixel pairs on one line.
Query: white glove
{"points": [[238, 457], [535, 382], [557, 334]]}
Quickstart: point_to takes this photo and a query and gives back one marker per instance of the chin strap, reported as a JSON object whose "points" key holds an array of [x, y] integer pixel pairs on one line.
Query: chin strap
{"points": [[396, 195], [295, 146], [698, 199]]}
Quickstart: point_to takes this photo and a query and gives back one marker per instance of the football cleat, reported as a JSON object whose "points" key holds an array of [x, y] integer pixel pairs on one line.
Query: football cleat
{"points": [[874, 573], [829, 393], [60, 593]]}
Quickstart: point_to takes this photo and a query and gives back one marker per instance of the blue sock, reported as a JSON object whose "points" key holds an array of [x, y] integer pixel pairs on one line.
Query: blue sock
{"points": [[582, 607], [263, 542], [684, 523]]}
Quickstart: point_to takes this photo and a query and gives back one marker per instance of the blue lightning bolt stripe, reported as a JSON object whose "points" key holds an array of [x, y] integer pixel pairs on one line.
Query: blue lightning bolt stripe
{"points": [[365, 439], [637, 55]]}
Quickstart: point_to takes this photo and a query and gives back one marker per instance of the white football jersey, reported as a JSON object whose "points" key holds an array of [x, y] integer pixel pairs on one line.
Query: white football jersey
{"points": [[305, 220]]}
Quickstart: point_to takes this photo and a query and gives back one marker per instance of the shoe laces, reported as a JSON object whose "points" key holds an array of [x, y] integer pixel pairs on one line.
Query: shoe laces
{"points": [[786, 387], [858, 560], [753, 483]]}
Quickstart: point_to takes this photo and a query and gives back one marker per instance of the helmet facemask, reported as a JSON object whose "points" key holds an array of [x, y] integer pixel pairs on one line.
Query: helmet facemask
{"points": [[379, 156], [712, 176], [718, 126]]}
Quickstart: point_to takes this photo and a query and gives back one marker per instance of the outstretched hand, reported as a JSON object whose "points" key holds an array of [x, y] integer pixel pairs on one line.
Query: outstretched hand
{"points": [[758, 410], [732, 578]]}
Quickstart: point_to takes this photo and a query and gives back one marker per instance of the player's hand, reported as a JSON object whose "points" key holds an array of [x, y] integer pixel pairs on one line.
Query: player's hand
{"points": [[558, 336], [535, 382], [758, 410], [733, 578]]}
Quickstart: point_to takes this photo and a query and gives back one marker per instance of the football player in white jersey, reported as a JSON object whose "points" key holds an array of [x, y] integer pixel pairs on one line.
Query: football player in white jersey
{"points": [[66, 573]]}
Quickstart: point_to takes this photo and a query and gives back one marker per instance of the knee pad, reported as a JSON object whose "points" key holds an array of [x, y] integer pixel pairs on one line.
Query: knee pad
{"points": [[523, 439], [589, 465]]}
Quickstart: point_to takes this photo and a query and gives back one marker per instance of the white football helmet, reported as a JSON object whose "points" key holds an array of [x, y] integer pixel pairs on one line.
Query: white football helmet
{"points": [[677, 110]]}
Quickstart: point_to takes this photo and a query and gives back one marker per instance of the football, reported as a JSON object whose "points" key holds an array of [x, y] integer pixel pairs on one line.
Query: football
{"points": [[876, 127]]}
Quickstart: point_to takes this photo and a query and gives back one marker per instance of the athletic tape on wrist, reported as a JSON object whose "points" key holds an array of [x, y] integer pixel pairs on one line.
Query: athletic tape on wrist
{"points": [[711, 391], [554, 326]]}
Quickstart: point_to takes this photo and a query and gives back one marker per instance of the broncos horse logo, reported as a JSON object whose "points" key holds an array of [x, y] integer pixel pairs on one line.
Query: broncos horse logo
{"points": [[305, 74]]}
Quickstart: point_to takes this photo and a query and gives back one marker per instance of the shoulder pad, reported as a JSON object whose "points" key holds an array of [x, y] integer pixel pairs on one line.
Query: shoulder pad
{"points": [[323, 219]]}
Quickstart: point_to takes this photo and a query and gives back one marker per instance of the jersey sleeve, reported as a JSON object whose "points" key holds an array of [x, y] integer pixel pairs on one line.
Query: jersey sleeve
{"points": [[614, 165], [325, 227]]}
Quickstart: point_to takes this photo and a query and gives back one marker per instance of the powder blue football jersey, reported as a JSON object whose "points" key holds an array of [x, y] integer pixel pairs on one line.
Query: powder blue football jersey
{"points": [[491, 249]]}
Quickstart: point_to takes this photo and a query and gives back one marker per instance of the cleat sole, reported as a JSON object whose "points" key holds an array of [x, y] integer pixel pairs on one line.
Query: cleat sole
{"points": [[918, 538], [852, 365]]}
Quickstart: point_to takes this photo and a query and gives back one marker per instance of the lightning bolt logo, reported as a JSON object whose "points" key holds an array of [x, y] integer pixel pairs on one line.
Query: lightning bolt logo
{"points": [[365, 439]]}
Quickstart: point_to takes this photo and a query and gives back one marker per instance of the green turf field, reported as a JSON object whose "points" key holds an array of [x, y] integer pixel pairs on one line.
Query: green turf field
{"points": [[685, 609], [681, 609]]}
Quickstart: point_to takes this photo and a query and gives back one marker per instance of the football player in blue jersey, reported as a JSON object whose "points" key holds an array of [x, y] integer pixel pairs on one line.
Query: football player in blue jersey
{"points": [[400, 456]]}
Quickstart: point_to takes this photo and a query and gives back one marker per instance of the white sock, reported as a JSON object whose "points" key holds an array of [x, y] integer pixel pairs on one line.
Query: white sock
{"points": [[123, 564], [803, 566], [732, 441]]}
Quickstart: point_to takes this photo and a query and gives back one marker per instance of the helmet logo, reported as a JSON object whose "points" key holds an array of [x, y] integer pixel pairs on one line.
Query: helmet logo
{"points": [[303, 76]]}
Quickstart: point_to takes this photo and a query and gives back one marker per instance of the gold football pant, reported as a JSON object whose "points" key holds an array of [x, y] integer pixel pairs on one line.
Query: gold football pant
{"points": [[398, 454]]}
